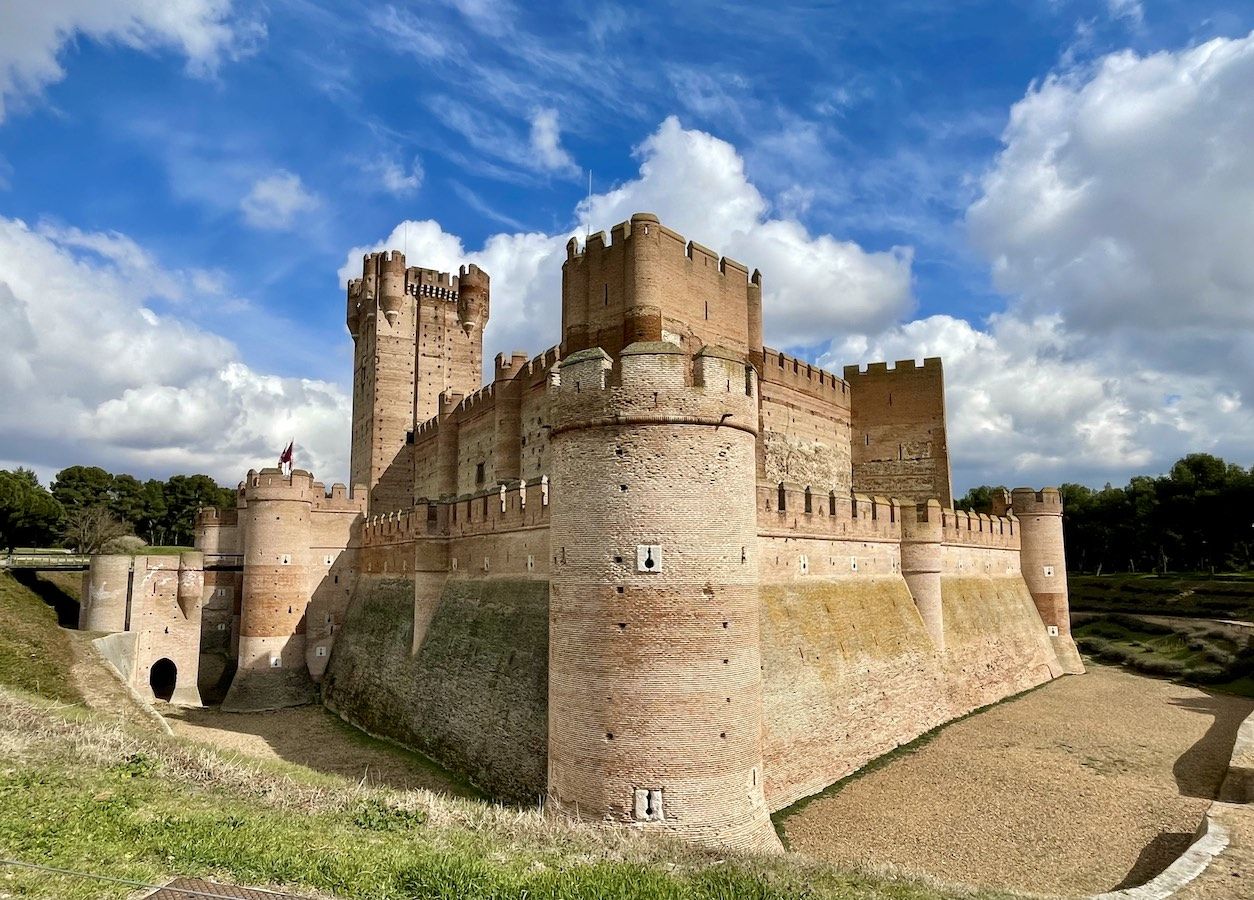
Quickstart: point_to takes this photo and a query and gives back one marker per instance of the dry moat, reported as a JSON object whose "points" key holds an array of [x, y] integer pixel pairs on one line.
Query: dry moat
{"points": [[1082, 785]]}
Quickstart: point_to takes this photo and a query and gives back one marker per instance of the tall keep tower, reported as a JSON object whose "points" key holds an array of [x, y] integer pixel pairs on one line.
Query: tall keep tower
{"points": [[416, 334], [655, 691]]}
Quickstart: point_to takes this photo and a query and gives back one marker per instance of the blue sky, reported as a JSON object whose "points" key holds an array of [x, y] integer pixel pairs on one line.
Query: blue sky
{"points": [[912, 178]]}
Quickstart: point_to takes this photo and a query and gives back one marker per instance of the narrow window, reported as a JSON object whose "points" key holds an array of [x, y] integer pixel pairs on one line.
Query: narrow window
{"points": [[479, 476], [809, 501], [606, 291], [831, 503], [781, 502], [707, 310]]}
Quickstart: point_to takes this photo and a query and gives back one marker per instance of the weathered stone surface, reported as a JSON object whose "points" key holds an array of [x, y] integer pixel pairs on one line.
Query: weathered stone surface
{"points": [[475, 695]]}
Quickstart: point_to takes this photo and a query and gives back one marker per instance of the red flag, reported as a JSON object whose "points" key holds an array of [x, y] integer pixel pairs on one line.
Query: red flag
{"points": [[285, 459]]}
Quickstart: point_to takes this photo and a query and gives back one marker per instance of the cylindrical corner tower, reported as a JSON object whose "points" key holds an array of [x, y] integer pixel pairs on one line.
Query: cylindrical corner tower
{"points": [[272, 671], [921, 531], [655, 694], [1044, 565], [107, 597]]}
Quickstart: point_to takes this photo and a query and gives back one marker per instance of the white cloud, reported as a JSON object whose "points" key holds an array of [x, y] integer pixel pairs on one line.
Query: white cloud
{"points": [[814, 286], [1130, 10], [546, 143], [1117, 219], [93, 374], [395, 178], [276, 200], [35, 33]]}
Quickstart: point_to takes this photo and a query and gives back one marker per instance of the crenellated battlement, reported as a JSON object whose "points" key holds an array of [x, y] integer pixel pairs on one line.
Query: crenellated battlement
{"points": [[1030, 502], [675, 246], [812, 512], [340, 499], [811, 380], [212, 517], [649, 283], [901, 367], [518, 505], [959, 527], [655, 382]]}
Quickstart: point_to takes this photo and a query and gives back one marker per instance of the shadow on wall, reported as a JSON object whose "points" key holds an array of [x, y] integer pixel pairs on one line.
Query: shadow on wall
{"points": [[51, 593], [1200, 770]]}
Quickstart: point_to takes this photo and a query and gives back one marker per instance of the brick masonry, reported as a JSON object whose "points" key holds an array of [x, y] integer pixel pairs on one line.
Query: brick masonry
{"points": [[660, 574]]}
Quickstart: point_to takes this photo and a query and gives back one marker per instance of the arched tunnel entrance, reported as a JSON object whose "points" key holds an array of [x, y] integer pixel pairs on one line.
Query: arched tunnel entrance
{"points": [[162, 678]]}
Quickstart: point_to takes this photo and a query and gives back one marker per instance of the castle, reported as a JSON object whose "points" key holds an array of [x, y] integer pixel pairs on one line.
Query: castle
{"points": [[657, 575]]}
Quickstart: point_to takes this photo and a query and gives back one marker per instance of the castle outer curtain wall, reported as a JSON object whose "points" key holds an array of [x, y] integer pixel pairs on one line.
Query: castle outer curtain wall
{"points": [[658, 575]]}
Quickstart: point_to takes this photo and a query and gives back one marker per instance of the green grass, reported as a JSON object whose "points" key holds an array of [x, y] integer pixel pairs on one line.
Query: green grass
{"points": [[80, 794], [1228, 596], [81, 791], [1201, 653], [35, 654]]}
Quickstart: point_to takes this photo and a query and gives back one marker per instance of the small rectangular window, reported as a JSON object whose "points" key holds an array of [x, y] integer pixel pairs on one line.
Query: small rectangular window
{"points": [[479, 474]]}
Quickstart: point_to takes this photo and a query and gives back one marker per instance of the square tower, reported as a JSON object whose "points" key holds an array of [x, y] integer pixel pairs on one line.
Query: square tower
{"points": [[417, 333]]}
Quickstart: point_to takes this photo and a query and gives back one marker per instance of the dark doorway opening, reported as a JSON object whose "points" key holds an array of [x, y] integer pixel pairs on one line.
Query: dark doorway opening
{"points": [[162, 678]]}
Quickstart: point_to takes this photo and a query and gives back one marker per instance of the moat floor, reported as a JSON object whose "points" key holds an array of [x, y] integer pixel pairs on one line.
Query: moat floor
{"points": [[312, 737], [1086, 784]]}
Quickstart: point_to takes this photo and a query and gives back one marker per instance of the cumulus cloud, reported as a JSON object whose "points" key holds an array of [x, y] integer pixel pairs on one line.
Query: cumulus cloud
{"points": [[1116, 219], [92, 372], [34, 34], [814, 285], [275, 201]]}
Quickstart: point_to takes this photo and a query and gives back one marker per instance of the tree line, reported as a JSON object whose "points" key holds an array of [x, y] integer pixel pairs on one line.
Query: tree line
{"points": [[86, 507], [1199, 517]]}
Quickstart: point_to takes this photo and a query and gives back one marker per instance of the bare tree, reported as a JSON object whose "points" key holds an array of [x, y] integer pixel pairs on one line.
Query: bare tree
{"points": [[90, 528]]}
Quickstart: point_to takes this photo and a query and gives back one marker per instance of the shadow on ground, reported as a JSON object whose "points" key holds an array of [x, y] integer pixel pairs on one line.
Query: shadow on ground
{"points": [[60, 600], [1200, 770], [314, 738], [1157, 855]]}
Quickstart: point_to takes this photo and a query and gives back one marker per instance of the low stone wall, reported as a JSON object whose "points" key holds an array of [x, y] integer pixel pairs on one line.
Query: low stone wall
{"points": [[475, 695]]}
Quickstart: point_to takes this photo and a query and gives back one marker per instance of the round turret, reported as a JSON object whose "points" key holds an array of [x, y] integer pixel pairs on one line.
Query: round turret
{"points": [[392, 289], [473, 288], [107, 589], [1043, 561], [655, 694], [276, 590]]}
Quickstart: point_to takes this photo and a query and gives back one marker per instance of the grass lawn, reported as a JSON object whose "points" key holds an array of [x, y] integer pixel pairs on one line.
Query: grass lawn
{"points": [[1202, 653], [1229, 596], [79, 790], [35, 653]]}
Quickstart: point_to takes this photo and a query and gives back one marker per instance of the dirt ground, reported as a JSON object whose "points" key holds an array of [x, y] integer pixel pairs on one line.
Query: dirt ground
{"points": [[312, 737], [1086, 784]]}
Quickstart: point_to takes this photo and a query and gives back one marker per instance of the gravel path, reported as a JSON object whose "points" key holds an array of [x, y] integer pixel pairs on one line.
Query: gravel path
{"points": [[312, 737], [1086, 784]]}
